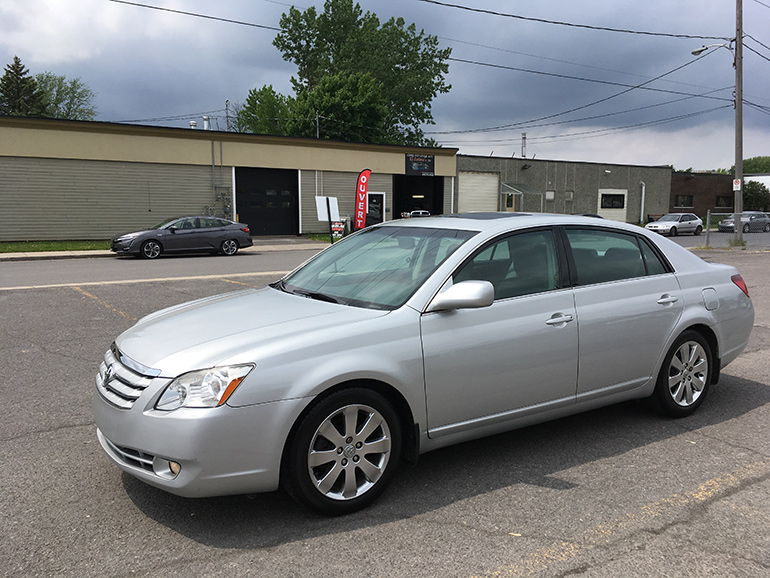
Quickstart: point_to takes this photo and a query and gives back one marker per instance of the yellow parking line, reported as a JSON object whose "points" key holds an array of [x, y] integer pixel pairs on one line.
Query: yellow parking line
{"points": [[105, 304], [605, 534]]}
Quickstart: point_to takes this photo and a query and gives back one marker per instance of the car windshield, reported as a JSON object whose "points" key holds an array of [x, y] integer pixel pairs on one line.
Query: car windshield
{"points": [[377, 268], [163, 223], [669, 218]]}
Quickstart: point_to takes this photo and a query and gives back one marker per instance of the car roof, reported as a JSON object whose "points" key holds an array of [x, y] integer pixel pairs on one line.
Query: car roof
{"points": [[493, 222]]}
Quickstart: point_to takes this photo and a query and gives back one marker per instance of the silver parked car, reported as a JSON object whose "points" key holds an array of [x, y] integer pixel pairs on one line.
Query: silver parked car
{"points": [[753, 222], [673, 224], [199, 234], [406, 337]]}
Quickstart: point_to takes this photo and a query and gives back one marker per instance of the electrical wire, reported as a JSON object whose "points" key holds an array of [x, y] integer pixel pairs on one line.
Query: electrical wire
{"points": [[571, 24], [264, 27]]}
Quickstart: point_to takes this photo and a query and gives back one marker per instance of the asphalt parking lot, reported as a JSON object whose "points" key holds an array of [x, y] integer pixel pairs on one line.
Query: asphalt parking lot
{"points": [[613, 492]]}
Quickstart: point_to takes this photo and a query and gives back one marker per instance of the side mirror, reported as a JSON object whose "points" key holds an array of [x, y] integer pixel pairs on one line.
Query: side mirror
{"points": [[464, 295], [173, 229]]}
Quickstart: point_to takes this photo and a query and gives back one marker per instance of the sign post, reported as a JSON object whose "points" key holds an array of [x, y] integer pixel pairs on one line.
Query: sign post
{"points": [[328, 210]]}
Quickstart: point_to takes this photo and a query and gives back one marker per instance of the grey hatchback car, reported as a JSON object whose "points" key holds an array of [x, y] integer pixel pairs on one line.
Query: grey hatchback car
{"points": [[199, 234], [410, 336]]}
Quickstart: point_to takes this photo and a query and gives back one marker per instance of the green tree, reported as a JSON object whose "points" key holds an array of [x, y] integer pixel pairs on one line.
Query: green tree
{"points": [[756, 165], [756, 197], [20, 94], [264, 112], [408, 67], [342, 107], [66, 99]]}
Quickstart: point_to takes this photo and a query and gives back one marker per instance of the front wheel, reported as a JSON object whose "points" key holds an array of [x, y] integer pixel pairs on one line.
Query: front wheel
{"points": [[767, 227], [151, 249], [344, 452], [229, 247], [672, 232], [685, 376], [746, 228]]}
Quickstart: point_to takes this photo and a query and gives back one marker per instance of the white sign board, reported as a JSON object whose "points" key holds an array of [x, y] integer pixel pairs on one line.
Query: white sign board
{"points": [[736, 185], [323, 212]]}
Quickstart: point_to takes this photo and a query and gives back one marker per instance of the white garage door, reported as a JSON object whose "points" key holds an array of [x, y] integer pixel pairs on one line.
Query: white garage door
{"points": [[478, 192]]}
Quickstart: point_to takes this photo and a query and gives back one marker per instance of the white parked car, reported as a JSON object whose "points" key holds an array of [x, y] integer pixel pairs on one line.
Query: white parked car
{"points": [[409, 336], [673, 224]]}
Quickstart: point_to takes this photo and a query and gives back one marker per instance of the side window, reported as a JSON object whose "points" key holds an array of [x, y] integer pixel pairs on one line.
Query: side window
{"points": [[517, 265], [654, 265], [602, 256]]}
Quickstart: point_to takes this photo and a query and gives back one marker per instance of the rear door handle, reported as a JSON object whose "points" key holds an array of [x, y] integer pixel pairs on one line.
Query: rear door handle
{"points": [[667, 299], [559, 319]]}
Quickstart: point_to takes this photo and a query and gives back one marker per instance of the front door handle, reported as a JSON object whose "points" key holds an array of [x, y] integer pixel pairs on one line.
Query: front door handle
{"points": [[667, 299], [559, 319]]}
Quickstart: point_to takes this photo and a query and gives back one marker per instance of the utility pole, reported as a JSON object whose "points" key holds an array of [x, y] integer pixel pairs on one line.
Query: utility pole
{"points": [[738, 204]]}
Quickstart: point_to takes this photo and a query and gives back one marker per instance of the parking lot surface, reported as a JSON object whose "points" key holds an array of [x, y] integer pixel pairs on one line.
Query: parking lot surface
{"points": [[614, 492]]}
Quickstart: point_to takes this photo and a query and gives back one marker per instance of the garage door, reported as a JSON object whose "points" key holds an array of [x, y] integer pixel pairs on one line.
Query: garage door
{"points": [[478, 192]]}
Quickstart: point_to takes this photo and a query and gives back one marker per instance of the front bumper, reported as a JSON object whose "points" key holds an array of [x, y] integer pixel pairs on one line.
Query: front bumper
{"points": [[221, 450], [123, 247]]}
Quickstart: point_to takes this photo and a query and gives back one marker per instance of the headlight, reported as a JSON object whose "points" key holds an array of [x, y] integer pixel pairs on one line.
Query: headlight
{"points": [[128, 237], [204, 388]]}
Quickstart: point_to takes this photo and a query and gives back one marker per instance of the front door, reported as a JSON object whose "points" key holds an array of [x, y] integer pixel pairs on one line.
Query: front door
{"points": [[486, 366]]}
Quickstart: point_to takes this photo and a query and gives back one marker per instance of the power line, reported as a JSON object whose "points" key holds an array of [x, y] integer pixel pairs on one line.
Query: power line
{"points": [[198, 15], [602, 100], [570, 24]]}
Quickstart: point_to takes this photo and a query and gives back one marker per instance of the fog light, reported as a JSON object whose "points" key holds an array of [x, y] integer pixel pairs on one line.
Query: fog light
{"points": [[175, 468]]}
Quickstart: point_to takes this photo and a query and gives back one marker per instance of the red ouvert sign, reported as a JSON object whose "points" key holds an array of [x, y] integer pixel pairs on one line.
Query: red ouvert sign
{"points": [[362, 190]]}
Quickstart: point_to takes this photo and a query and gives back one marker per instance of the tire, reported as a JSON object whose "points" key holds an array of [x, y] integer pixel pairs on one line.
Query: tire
{"points": [[767, 228], [344, 452], [746, 228], [685, 376], [151, 249], [672, 232], [698, 230], [229, 247]]}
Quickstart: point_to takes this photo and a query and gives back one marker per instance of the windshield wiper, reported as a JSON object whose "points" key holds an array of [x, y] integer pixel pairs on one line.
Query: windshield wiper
{"points": [[315, 295]]}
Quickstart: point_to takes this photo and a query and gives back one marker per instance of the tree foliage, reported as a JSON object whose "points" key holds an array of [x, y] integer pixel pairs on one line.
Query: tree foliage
{"points": [[66, 99], [20, 94], [756, 197], [754, 165], [265, 112], [349, 50], [45, 94]]}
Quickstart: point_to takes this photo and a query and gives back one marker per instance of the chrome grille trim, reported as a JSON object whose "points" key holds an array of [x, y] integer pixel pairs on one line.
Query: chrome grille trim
{"points": [[131, 457], [119, 384]]}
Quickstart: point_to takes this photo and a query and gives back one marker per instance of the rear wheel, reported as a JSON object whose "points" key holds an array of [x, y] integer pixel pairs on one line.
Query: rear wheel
{"points": [[767, 227], [698, 230], [151, 249], [746, 228], [684, 379], [344, 452], [229, 247]]}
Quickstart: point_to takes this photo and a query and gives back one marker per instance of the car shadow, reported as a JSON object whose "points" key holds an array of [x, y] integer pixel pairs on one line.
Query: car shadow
{"points": [[534, 455]]}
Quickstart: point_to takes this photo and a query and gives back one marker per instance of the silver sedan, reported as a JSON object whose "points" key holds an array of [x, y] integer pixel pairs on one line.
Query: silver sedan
{"points": [[407, 337]]}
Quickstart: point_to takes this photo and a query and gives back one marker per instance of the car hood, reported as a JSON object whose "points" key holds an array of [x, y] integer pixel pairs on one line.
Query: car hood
{"points": [[135, 233], [231, 328]]}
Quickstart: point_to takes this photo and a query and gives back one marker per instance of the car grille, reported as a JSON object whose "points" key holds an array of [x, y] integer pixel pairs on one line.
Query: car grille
{"points": [[118, 384], [131, 457]]}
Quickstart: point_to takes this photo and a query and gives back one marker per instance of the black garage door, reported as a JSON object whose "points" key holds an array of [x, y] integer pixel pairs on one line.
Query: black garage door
{"points": [[268, 200]]}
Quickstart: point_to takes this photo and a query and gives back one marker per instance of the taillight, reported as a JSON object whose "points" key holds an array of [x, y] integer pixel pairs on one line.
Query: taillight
{"points": [[245, 229], [738, 280]]}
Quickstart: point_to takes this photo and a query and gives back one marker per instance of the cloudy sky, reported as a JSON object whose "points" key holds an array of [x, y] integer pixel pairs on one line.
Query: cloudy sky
{"points": [[631, 94]]}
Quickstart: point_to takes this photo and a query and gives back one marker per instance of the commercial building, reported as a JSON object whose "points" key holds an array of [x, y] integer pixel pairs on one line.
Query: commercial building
{"points": [[90, 180]]}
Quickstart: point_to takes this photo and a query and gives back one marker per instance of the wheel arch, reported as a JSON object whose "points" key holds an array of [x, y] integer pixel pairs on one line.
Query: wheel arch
{"points": [[409, 429], [708, 334]]}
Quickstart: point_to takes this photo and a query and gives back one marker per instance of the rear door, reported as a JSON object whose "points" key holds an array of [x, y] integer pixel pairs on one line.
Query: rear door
{"points": [[628, 303]]}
